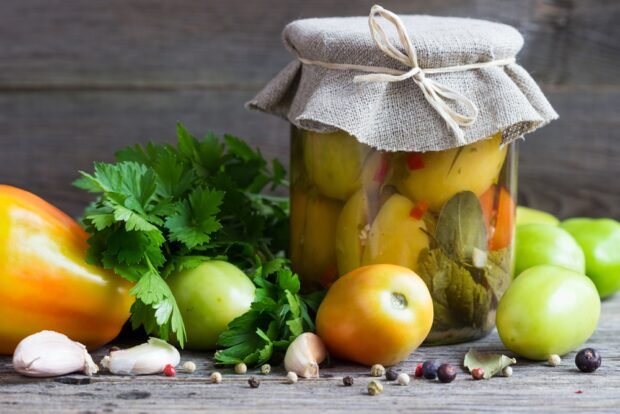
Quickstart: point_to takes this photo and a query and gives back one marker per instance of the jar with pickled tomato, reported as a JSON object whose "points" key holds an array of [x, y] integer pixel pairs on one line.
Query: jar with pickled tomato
{"points": [[403, 151]]}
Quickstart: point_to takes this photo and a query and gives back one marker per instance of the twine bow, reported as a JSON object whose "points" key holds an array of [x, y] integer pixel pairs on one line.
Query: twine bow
{"points": [[435, 93]]}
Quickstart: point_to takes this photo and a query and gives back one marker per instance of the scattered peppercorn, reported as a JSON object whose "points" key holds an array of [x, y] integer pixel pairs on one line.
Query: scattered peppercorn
{"points": [[291, 377], [588, 360], [377, 370], [216, 378], [391, 374], [429, 369], [189, 367], [477, 373], [418, 371], [403, 379], [554, 360], [375, 387], [507, 371], [265, 369], [348, 381], [446, 373], [170, 371], [254, 383], [241, 368]]}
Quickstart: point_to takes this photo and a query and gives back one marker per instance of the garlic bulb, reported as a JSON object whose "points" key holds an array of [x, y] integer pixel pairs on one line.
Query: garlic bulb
{"points": [[304, 355], [50, 354], [144, 359]]}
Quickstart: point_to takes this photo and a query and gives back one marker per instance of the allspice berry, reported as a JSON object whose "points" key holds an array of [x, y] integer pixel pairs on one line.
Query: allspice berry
{"points": [[377, 370], [375, 387], [348, 381]]}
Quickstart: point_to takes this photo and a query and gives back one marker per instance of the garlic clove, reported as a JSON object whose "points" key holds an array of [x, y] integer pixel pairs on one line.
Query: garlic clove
{"points": [[50, 354], [144, 359], [304, 355]]}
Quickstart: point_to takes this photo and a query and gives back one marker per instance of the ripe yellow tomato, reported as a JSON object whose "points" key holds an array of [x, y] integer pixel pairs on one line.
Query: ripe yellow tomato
{"points": [[376, 314], [436, 176]]}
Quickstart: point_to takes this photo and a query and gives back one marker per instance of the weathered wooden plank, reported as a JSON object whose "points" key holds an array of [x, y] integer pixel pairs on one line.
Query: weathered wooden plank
{"points": [[534, 387], [567, 167], [196, 44]]}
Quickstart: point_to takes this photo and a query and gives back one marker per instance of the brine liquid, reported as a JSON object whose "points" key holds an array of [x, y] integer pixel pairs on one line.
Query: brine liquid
{"points": [[447, 215]]}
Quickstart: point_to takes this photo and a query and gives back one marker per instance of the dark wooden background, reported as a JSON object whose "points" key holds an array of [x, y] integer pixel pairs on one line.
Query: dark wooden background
{"points": [[79, 79]]}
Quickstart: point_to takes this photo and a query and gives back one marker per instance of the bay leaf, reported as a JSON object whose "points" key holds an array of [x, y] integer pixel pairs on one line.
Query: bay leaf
{"points": [[491, 363], [461, 227]]}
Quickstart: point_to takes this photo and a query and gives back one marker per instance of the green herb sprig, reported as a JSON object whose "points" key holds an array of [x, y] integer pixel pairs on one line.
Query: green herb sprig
{"points": [[277, 316], [164, 208]]}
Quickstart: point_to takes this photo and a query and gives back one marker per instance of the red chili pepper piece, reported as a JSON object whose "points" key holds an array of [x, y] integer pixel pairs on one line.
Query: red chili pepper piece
{"points": [[418, 210], [415, 161]]}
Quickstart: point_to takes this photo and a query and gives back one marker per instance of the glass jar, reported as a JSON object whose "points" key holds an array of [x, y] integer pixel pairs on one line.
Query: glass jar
{"points": [[447, 215]]}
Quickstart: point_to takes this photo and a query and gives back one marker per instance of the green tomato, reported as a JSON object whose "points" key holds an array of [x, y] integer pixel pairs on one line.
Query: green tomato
{"points": [[538, 244], [334, 162], [526, 215], [547, 310], [210, 296], [600, 241]]}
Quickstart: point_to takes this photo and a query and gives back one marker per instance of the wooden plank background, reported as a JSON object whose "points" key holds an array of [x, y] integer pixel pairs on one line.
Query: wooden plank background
{"points": [[79, 79]]}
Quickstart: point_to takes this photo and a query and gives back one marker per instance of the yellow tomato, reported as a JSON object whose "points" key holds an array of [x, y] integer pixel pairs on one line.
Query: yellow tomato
{"points": [[435, 177], [397, 234], [375, 314]]}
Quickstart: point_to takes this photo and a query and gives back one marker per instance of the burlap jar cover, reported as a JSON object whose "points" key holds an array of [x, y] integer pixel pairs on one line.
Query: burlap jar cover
{"points": [[415, 83]]}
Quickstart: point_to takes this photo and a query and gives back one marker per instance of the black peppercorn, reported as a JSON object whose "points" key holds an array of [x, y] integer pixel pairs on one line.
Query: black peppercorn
{"points": [[588, 360], [446, 373], [254, 383], [391, 374], [429, 369], [347, 381]]}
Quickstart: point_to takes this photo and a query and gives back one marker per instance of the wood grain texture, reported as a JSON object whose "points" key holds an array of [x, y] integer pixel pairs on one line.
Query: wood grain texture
{"points": [[534, 387], [211, 44], [80, 79]]}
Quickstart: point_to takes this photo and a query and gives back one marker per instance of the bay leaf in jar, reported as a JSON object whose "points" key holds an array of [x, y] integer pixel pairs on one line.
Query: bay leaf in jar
{"points": [[461, 230]]}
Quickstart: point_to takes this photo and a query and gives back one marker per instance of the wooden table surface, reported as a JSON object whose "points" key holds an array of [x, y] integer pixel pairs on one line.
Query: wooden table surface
{"points": [[533, 386]]}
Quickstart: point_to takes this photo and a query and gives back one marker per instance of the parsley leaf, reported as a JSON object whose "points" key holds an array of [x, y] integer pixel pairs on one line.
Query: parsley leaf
{"points": [[163, 208]]}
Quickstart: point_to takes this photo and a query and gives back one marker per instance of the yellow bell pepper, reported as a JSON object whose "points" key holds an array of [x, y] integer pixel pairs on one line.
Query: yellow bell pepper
{"points": [[45, 282]]}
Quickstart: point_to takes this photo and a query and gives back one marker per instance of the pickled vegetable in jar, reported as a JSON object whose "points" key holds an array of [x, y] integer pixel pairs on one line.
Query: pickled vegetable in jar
{"points": [[447, 215], [403, 152]]}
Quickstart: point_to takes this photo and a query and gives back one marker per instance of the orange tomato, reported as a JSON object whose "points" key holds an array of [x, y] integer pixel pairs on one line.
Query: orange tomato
{"points": [[375, 314], [499, 215]]}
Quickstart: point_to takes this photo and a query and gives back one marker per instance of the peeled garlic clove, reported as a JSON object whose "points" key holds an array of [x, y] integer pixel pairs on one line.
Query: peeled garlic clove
{"points": [[50, 354], [144, 359], [304, 355]]}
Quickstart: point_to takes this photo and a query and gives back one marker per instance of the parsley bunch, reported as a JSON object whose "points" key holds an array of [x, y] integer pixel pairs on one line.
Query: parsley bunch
{"points": [[164, 208]]}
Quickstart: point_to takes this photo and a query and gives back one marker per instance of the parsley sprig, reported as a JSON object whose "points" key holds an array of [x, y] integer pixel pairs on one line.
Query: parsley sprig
{"points": [[164, 208], [278, 315]]}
